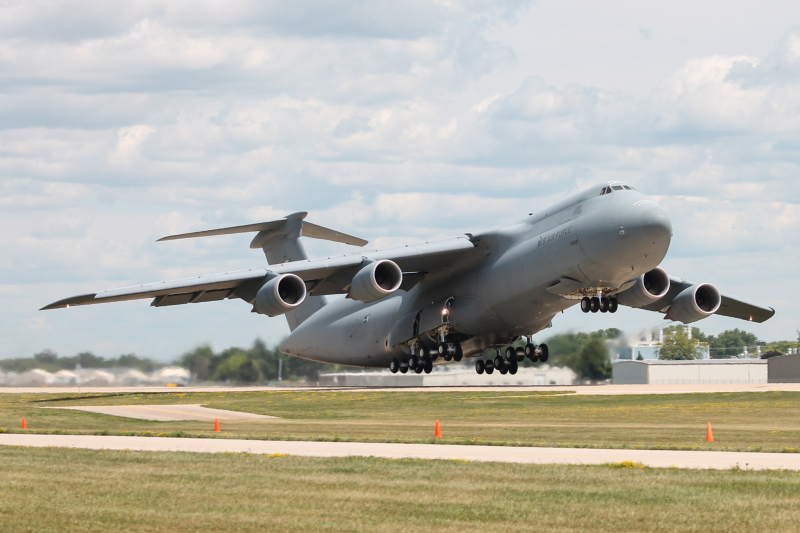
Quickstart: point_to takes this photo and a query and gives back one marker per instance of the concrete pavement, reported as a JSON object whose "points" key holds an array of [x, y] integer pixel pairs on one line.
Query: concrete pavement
{"points": [[577, 389], [506, 454], [166, 413]]}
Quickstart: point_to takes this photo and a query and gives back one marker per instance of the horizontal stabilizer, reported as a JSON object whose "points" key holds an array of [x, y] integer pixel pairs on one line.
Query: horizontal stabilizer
{"points": [[309, 230]]}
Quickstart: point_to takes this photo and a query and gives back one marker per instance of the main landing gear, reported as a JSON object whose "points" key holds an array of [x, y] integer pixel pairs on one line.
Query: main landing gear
{"points": [[508, 363], [602, 304], [422, 358]]}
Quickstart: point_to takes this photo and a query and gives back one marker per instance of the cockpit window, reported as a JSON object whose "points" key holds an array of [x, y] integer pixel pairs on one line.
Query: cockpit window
{"points": [[617, 187], [606, 190], [627, 187]]}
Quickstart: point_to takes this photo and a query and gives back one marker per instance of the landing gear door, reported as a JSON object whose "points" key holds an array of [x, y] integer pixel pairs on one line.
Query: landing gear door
{"points": [[435, 315], [404, 329]]}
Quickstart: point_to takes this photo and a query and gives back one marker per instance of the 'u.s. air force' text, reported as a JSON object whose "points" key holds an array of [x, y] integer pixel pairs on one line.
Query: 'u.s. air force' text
{"points": [[553, 236]]}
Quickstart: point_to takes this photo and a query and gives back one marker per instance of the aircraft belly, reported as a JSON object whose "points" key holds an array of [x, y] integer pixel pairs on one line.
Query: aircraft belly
{"points": [[346, 332]]}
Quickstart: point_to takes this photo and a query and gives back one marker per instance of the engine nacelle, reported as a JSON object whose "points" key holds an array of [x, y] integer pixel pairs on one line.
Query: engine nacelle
{"points": [[649, 287], [280, 295], [375, 281], [695, 303]]}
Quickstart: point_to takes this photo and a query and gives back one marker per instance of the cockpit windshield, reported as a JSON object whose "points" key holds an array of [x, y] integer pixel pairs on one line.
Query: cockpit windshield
{"points": [[612, 188]]}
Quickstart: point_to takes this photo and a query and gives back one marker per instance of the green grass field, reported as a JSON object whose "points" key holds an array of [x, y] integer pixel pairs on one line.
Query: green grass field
{"points": [[765, 421], [80, 490]]}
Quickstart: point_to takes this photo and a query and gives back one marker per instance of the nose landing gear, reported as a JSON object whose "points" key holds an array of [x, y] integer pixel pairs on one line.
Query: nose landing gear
{"points": [[602, 304]]}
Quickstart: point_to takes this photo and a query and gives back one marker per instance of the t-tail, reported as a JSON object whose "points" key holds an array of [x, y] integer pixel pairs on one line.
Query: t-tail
{"points": [[280, 240]]}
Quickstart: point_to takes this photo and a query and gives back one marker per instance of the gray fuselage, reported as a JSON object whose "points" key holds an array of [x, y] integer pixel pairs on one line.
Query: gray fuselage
{"points": [[498, 291]]}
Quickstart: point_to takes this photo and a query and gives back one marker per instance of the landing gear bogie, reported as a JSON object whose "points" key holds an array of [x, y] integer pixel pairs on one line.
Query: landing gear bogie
{"points": [[599, 304]]}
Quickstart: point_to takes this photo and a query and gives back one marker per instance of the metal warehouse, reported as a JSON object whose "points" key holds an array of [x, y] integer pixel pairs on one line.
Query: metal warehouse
{"points": [[717, 371]]}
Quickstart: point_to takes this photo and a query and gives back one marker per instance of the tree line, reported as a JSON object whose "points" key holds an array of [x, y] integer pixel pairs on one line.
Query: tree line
{"points": [[677, 345], [256, 364], [585, 353], [51, 362]]}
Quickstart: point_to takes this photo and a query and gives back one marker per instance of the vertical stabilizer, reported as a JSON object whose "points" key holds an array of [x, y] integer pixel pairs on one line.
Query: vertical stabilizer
{"points": [[280, 240], [282, 245]]}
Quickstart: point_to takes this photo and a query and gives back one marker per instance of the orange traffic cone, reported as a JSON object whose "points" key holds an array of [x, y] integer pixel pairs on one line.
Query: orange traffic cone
{"points": [[438, 431], [24, 424], [709, 434], [216, 425]]}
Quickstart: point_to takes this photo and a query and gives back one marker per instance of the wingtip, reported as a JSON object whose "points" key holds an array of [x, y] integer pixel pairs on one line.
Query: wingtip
{"points": [[83, 299]]}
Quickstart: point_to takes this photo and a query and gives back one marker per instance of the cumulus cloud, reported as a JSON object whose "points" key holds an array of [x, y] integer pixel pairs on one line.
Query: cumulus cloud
{"points": [[391, 121]]}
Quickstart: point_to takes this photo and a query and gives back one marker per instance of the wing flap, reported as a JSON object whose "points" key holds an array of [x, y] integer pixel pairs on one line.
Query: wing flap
{"points": [[330, 275]]}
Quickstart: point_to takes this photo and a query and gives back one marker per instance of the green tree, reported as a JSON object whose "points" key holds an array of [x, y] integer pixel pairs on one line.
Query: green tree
{"points": [[678, 346], [201, 362], [228, 369], [565, 348], [592, 361], [248, 372], [731, 343]]}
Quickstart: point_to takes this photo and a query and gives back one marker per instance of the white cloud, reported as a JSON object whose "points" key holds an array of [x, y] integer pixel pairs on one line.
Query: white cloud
{"points": [[394, 122]]}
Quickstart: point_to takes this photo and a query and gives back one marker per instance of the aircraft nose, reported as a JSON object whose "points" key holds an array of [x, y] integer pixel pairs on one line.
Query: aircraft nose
{"points": [[655, 222], [635, 234]]}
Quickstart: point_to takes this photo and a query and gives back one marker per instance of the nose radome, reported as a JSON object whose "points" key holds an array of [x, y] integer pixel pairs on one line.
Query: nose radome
{"points": [[655, 222]]}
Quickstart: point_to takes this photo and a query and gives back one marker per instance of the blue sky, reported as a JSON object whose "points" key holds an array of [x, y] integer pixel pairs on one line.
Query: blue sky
{"points": [[122, 123]]}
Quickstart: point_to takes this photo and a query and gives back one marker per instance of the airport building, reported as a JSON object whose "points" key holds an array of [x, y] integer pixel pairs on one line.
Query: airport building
{"points": [[694, 372], [785, 368]]}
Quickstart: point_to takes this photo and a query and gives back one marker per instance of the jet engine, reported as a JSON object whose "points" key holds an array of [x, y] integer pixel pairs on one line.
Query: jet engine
{"points": [[695, 303], [649, 287], [280, 295], [375, 281]]}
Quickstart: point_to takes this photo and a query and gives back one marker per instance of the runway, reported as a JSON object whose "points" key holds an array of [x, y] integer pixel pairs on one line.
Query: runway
{"points": [[505, 454], [591, 390]]}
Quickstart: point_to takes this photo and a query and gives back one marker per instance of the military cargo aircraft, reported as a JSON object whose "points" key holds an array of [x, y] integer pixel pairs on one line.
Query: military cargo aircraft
{"points": [[411, 306]]}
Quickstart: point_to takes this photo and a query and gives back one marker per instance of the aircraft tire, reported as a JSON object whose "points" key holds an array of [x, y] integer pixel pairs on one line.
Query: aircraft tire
{"points": [[423, 352], [595, 304], [488, 366], [459, 353], [510, 353], [504, 370], [479, 366], [545, 353], [613, 305], [412, 362], [394, 366], [513, 367], [448, 357], [586, 304], [428, 365], [604, 305], [418, 369], [498, 362], [403, 369]]}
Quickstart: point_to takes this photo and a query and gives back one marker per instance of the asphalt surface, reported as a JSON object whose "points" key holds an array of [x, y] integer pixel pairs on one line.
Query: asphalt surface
{"points": [[577, 389], [505, 454], [166, 413]]}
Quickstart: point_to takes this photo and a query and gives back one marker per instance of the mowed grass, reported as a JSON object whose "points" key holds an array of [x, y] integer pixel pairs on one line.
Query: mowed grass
{"points": [[82, 490], [764, 421]]}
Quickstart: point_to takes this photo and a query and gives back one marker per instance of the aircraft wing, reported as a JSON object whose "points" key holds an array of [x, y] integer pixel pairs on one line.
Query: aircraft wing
{"points": [[730, 306], [329, 275]]}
